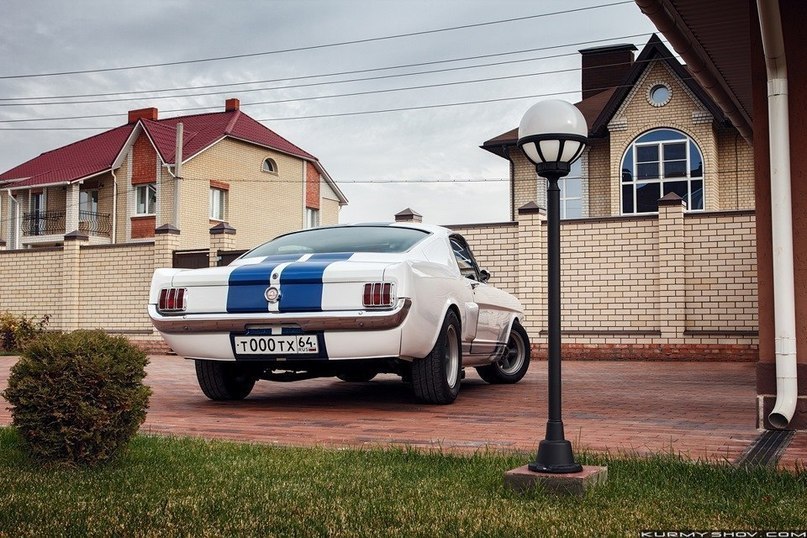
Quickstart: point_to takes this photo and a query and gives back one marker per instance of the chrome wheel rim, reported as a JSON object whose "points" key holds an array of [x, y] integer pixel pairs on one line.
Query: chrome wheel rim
{"points": [[452, 357], [514, 354]]}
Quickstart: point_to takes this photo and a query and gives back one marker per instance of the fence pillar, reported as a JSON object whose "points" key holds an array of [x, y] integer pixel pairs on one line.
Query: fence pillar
{"points": [[71, 280], [166, 241], [672, 266], [532, 267], [222, 237]]}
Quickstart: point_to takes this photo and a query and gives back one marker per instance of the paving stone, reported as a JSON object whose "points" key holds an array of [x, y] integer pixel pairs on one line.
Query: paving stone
{"points": [[698, 410]]}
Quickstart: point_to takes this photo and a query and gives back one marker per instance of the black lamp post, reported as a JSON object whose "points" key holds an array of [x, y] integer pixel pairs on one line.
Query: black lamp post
{"points": [[552, 135]]}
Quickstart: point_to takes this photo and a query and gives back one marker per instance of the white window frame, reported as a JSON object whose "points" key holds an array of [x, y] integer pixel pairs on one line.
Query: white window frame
{"points": [[217, 209], [576, 173], [272, 168], [145, 187], [93, 201], [635, 182], [311, 217]]}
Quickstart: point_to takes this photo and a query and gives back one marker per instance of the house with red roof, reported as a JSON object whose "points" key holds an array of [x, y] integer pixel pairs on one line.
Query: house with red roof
{"points": [[658, 229], [190, 172], [653, 130]]}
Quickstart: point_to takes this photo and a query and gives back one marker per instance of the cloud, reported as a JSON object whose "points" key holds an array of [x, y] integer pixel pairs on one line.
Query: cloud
{"points": [[412, 148]]}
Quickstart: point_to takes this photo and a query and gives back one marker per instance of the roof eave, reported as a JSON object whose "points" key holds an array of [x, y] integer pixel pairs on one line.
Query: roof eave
{"points": [[670, 23]]}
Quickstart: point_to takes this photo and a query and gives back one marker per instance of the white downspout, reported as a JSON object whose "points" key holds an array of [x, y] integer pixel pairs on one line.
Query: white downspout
{"points": [[784, 301], [114, 207]]}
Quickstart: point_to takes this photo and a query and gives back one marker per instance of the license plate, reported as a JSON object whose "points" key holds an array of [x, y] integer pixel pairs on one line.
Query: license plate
{"points": [[276, 345]]}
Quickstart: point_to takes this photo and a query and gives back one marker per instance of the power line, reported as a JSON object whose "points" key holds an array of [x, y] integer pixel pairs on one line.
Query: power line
{"points": [[333, 96], [344, 114], [324, 75], [315, 47]]}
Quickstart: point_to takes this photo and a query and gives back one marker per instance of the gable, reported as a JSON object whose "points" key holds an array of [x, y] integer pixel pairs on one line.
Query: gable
{"points": [[682, 108]]}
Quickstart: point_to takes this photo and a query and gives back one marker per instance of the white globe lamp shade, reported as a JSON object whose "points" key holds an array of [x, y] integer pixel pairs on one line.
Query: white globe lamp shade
{"points": [[553, 132]]}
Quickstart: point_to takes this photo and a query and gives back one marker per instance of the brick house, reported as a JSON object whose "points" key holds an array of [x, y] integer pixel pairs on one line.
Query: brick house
{"points": [[118, 186], [85, 225], [653, 130], [658, 239]]}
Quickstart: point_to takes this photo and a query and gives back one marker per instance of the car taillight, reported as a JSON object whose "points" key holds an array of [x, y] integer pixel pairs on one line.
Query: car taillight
{"points": [[172, 300], [377, 295]]}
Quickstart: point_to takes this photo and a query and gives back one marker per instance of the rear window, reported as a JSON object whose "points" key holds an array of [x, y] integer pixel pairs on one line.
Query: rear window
{"points": [[342, 239]]}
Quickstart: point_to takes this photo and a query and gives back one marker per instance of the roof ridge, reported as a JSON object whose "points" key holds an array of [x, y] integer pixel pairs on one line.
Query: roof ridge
{"points": [[79, 141], [232, 122]]}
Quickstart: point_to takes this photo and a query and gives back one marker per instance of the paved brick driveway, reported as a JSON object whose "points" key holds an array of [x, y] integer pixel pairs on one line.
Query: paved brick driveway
{"points": [[696, 409]]}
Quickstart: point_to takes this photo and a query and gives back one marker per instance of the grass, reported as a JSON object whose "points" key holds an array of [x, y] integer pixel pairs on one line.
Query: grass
{"points": [[179, 487]]}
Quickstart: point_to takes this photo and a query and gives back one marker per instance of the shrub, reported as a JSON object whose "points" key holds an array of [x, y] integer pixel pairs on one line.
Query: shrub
{"points": [[16, 331], [78, 397]]}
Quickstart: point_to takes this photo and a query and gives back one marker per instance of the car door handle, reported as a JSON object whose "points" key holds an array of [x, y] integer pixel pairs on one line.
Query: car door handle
{"points": [[474, 285]]}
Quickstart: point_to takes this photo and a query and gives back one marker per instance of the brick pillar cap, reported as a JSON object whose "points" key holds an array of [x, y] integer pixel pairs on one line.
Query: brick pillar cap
{"points": [[530, 207], [222, 228], [76, 235], [167, 229], [672, 199]]}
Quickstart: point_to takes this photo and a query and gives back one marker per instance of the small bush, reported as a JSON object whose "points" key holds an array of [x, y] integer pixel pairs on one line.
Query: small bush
{"points": [[78, 397], [16, 331]]}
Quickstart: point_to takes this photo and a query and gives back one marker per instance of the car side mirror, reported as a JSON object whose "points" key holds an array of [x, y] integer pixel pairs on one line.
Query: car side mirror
{"points": [[484, 275]]}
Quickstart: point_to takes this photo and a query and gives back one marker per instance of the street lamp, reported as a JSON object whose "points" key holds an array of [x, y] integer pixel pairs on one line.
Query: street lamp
{"points": [[552, 135]]}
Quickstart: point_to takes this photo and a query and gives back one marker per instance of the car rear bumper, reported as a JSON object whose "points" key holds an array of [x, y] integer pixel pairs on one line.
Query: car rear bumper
{"points": [[361, 320]]}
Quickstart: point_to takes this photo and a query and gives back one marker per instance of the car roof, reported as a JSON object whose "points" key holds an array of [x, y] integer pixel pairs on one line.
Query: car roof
{"points": [[431, 228]]}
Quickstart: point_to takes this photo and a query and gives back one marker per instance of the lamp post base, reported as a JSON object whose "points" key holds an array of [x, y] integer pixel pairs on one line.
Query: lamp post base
{"points": [[555, 457]]}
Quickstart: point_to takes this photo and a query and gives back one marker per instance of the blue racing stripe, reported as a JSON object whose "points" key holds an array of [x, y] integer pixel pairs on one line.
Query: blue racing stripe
{"points": [[301, 283], [248, 283]]}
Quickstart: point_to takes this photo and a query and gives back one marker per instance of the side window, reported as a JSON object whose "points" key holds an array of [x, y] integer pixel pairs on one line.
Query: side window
{"points": [[465, 260]]}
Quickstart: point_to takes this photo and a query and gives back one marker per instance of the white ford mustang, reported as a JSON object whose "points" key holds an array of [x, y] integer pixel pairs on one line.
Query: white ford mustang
{"points": [[346, 301]]}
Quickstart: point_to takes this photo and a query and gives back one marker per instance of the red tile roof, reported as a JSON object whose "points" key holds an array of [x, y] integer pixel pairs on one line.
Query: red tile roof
{"points": [[98, 153]]}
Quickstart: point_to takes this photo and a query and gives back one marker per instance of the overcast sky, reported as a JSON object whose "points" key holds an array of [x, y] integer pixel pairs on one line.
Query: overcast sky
{"points": [[383, 162]]}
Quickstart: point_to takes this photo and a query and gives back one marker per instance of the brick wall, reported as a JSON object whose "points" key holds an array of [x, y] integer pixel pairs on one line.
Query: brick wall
{"points": [[496, 249], [31, 283], [117, 274], [312, 186], [82, 286], [673, 286], [261, 205]]}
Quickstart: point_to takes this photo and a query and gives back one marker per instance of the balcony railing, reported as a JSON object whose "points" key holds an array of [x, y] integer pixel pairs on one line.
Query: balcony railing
{"points": [[37, 223]]}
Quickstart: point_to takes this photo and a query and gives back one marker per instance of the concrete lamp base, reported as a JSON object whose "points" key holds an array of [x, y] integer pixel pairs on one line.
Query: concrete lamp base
{"points": [[523, 480]]}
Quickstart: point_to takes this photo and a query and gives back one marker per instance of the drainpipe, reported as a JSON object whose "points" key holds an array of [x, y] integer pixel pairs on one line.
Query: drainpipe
{"points": [[784, 301], [114, 206]]}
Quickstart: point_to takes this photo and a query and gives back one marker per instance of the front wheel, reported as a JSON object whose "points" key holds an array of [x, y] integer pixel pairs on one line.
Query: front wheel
{"points": [[436, 377], [223, 380], [515, 361]]}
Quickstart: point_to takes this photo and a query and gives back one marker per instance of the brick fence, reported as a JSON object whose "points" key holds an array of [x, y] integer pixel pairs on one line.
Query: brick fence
{"points": [[672, 286]]}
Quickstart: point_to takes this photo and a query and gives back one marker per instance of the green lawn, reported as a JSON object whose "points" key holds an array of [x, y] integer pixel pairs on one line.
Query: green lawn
{"points": [[170, 487]]}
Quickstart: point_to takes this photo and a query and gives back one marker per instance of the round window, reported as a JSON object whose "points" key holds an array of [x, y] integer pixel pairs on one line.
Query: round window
{"points": [[659, 94]]}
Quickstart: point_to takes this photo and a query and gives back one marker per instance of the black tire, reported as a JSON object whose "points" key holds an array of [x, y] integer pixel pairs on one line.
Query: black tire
{"points": [[358, 376], [436, 377], [515, 362], [223, 381]]}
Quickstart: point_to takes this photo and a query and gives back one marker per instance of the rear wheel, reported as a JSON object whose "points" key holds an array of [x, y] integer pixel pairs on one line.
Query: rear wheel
{"points": [[436, 378], [223, 380], [515, 361]]}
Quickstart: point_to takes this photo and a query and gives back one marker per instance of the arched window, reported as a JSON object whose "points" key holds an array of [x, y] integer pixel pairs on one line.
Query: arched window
{"points": [[269, 165], [657, 163]]}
